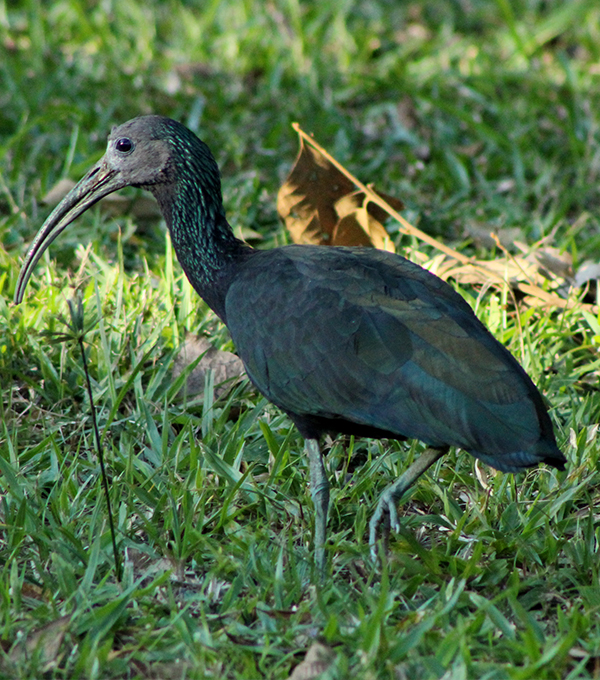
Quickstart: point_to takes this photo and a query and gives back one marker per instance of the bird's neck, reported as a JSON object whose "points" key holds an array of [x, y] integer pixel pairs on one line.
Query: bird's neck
{"points": [[202, 238]]}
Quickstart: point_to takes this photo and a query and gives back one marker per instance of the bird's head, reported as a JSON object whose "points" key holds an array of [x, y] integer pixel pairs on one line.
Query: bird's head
{"points": [[151, 152]]}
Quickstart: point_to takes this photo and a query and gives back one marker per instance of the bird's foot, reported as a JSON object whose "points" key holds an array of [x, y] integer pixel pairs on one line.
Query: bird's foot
{"points": [[386, 517], [387, 510]]}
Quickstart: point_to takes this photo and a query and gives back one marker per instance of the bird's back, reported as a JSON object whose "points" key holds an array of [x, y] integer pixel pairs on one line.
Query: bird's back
{"points": [[363, 341]]}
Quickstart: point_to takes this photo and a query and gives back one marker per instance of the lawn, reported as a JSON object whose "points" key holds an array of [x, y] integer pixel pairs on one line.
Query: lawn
{"points": [[481, 117]]}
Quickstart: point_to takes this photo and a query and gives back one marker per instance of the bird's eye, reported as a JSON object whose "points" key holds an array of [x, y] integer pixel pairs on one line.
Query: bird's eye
{"points": [[124, 145]]}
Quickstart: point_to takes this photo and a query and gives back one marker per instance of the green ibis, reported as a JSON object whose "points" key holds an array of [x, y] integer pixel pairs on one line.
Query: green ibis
{"points": [[344, 340]]}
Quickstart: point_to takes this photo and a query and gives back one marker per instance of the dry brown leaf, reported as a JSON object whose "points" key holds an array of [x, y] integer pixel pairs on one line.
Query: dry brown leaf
{"points": [[525, 274], [484, 236], [307, 198], [44, 642], [247, 234], [589, 272], [553, 262], [502, 269], [319, 205], [31, 590], [537, 297], [317, 661], [143, 564], [373, 197], [142, 206], [58, 192], [226, 366], [482, 472], [360, 221], [376, 211], [174, 670]]}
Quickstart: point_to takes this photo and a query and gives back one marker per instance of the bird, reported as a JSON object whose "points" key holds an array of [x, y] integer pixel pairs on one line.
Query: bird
{"points": [[351, 341]]}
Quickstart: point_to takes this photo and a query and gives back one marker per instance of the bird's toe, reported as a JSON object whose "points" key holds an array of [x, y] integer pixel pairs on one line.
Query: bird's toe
{"points": [[384, 518]]}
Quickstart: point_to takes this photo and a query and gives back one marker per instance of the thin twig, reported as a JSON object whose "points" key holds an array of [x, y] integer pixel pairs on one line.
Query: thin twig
{"points": [[78, 329], [101, 459]]}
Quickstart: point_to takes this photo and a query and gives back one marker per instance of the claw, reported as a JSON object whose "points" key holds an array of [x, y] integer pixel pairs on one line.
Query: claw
{"points": [[386, 512]]}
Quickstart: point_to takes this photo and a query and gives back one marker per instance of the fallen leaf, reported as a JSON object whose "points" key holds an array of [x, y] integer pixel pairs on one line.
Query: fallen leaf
{"points": [[142, 206], [375, 198], [226, 366], [44, 642], [520, 274], [247, 234], [32, 591], [317, 660], [483, 475], [319, 206], [589, 272], [550, 260], [174, 670], [360, 222], [58, 192], [500, 270], [306, 201], [483, 234]]}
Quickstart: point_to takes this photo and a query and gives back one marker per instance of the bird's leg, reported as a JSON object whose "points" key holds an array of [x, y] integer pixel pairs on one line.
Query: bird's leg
{"points": [[386, 512], [319, 488]]}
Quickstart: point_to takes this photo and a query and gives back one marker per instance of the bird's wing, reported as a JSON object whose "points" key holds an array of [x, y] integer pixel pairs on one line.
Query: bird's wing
{"points": [[376, 340]]}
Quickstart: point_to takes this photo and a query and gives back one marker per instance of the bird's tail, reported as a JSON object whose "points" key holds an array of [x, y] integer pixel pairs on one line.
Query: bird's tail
{"points": [[546, 452]]}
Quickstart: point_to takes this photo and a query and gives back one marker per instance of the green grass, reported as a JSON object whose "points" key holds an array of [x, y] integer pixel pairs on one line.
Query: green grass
{"points": [[476, 114]]}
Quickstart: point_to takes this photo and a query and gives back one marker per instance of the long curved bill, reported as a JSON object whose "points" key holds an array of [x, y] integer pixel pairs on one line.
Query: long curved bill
{"points": [[100, 181]]}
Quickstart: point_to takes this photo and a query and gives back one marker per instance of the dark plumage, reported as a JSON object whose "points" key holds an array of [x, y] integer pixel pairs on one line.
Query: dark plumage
{"points": [[346, 340]]}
